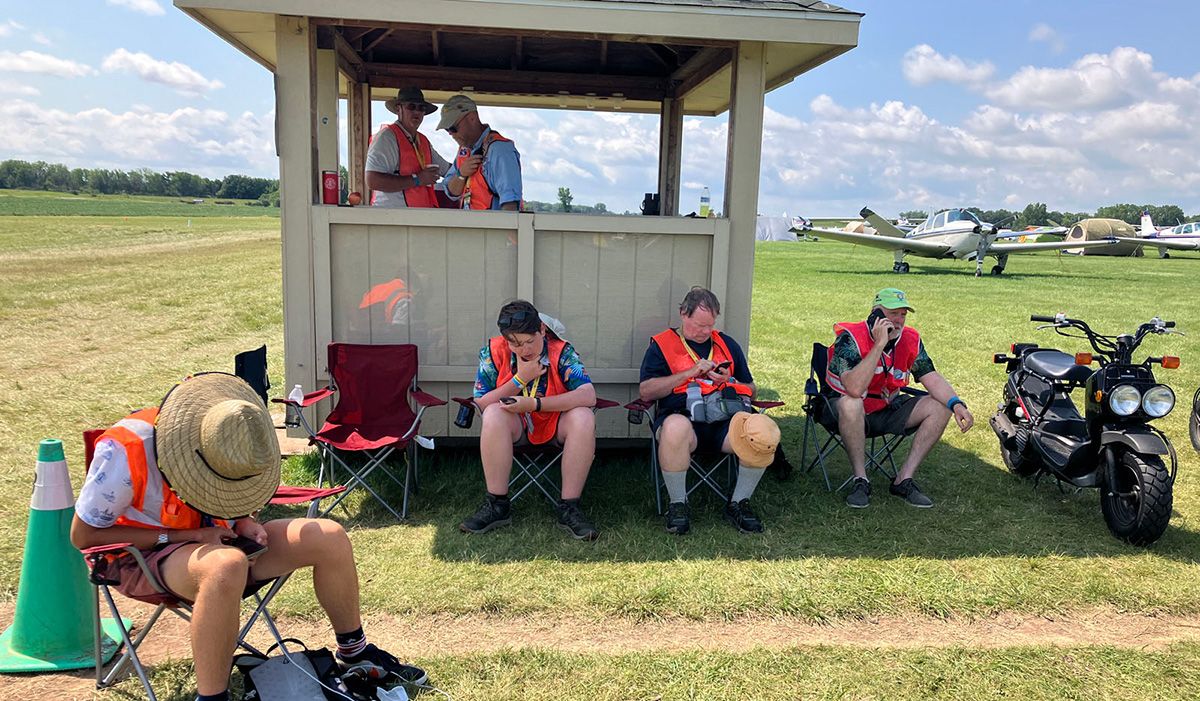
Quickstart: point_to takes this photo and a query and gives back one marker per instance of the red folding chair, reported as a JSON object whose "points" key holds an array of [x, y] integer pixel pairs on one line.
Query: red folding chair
{"points": [[378, 412], [533, 462], [99, 558]]}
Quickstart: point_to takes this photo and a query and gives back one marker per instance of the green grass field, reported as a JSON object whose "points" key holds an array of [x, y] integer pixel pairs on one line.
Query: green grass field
{"points": [[103, 314], [32, 203]]}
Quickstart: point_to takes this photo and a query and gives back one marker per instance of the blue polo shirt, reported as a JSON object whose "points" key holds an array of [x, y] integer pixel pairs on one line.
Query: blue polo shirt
{"points": [[501, 168]]}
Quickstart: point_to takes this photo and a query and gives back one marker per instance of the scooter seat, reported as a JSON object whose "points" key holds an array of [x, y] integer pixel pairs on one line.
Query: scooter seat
{"points": [[1055, 365]]}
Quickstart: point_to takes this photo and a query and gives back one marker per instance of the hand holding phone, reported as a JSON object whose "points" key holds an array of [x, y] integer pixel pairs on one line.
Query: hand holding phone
{"points": [[723, 366], [251, 547], [508, 400]]}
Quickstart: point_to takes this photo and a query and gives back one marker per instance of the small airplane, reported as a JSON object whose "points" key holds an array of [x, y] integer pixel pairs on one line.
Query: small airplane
{"points": [[1185, 237], [951, 233]]}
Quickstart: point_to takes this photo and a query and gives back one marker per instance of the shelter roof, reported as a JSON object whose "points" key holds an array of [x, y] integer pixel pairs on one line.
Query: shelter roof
{"points": [[564, 54]]}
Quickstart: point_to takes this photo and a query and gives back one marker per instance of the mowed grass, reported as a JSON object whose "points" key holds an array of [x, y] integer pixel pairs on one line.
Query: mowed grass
{"points": [[37, 203], [102, 315]]}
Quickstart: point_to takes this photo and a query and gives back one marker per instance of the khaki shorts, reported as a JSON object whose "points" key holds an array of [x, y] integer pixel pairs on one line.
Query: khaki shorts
{"points": [[133, 583]]}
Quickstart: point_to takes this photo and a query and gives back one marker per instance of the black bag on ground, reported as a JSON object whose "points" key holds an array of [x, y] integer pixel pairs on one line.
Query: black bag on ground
{"points": [[299, 675]]}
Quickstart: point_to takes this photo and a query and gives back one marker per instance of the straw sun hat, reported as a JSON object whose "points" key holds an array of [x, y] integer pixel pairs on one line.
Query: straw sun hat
{"points": [[216, 445]]}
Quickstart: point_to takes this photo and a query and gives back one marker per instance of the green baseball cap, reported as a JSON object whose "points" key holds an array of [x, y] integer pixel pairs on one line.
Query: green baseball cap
{"points": [[891, 298]]}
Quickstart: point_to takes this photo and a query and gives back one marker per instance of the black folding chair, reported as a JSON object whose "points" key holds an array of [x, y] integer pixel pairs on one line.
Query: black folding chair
{"points": [[704, 466], [818, 413]]}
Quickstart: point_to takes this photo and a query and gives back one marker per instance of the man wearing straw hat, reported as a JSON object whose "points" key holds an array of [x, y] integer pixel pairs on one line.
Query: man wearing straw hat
{"points": [[402, 166], [182, 480]]}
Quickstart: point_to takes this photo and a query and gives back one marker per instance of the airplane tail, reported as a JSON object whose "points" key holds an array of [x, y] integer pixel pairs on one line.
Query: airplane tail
{"points": [[1147, 224], [883, 226]]}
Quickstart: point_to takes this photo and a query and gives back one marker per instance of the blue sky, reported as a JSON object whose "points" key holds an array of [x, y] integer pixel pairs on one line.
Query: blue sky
{"points": [[1077, 104]]}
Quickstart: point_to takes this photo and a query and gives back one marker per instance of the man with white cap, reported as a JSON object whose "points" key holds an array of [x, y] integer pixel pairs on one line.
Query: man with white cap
{"points": [[180, 482], [402, 165], [487, 172], [869, 363]]}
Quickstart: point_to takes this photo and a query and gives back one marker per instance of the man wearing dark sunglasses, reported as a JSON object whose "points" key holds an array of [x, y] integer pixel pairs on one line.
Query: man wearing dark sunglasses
{"points": [[487, 172], [402, 166], [532, 387]]}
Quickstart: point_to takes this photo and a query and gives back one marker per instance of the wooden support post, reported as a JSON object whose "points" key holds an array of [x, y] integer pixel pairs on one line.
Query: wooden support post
{"points": [[670, 151], [358, 132], [741, 183], [327, 110]]}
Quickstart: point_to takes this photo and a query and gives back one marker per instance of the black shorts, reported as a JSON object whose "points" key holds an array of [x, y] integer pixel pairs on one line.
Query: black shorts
{"points": [[709, 437], [892, 419]]}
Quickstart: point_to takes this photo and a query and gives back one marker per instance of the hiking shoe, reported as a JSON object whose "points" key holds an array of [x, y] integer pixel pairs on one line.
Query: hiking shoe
{"points": [[378, 666], [781, 466], [679, 519], [743, 517], [910, 492], [572, 520], [860, 494], [493, 514]]}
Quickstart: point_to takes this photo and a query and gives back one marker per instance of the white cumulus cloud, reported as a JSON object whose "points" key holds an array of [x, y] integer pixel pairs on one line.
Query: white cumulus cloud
{"points": [[11, 87], [173, 74], [146, 7], [1094, 81], [44, 64], [1045, 34], [923, 65]]}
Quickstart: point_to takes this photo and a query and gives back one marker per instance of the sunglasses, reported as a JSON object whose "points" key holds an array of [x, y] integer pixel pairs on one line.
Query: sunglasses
{"points": [[452, 130], [414, 107], [507, 320]]}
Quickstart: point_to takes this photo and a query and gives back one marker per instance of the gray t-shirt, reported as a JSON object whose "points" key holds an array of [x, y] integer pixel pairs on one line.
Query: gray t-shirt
{"points": [[384, 157]]}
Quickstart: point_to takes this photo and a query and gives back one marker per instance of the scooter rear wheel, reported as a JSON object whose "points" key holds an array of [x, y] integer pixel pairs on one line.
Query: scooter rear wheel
{"points": [[1136, 497]]}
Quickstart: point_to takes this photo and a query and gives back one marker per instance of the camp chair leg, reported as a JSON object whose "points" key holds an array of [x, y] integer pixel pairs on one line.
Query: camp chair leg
{"points": [[531, 469], [130, 654]]}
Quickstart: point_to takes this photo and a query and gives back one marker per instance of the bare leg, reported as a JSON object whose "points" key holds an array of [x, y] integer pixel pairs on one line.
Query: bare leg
{"points": [[577, 433], [323, 545], [931, 416], [852, 426], [496, 437], [676, 443]]}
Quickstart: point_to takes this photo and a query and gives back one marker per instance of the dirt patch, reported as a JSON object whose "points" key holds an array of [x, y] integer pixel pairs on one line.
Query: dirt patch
{"points": [[410, 638]]}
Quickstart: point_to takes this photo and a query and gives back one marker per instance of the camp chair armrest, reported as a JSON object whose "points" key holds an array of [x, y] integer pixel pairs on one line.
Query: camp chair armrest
{"points": [[309, 399], [914, 391], [640, 405], [425, 399], [765, 405], [110, 549], [465, 401], [96, 556], [287, 494], [602, 403]]}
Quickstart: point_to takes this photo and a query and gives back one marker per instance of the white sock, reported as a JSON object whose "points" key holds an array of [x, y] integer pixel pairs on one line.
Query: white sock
{"points": [[676, 483], [747, 480]]}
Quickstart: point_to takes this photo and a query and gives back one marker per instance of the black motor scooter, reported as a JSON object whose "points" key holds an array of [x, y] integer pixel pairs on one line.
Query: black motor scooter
{"points": [[1112, 445]]}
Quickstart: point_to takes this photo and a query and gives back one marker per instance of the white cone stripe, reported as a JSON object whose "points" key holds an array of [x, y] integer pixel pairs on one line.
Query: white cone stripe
{"points": [[52, 487]]}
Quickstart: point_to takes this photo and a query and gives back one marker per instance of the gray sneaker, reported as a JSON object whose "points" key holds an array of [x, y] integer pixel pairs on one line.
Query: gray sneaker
{"points": [[860, 494], [910, 492]]}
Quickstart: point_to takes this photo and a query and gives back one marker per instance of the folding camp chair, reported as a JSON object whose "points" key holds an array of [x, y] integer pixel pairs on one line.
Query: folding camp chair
{"points": [[704, 466], [533, 462], [251, 366], [378, 412], [818, 396], [99, 558]]}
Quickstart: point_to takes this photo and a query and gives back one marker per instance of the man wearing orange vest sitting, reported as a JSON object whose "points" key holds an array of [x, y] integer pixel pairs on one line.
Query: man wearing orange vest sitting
{"points": [[532, 386], [487, 171], [687, 364], [402, 166], [182, 480], [869, 362]]}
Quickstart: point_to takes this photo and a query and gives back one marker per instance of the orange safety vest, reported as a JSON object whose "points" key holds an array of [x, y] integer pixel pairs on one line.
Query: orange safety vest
{"points": [[413, 159], [545, 423], [477, 193], [151, 493], [892, 372], [679, 357]]}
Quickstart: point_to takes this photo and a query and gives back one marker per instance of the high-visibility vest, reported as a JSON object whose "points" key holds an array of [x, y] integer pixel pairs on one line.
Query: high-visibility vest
{"points": [[477, 193], [152, 495], [545, 423], [680, 357], [891, 374], [413, 159]]}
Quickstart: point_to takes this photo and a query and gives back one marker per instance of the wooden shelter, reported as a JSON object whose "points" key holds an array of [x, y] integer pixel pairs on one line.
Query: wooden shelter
{"points": [[439, 275]]}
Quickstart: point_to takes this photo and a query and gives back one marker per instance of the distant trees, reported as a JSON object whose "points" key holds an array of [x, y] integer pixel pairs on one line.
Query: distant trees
{"points": [[1037, 214], [565, 198], [1163, 215], [39, 175]]}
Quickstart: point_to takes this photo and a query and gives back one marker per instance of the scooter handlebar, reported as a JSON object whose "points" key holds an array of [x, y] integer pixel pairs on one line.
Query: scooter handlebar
{"points": [[1039, 317]]}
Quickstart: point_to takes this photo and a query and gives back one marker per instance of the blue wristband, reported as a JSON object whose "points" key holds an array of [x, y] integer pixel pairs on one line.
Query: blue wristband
{"points": [[518, 383], [953, 402]]}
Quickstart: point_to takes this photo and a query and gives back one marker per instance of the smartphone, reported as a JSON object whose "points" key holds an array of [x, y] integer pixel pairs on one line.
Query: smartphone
{"points": [[251, 547], [723, 365], [877, 314], [508, 400]]}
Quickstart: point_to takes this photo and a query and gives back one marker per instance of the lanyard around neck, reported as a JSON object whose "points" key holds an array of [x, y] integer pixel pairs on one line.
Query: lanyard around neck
{"points": [[690, 352]]}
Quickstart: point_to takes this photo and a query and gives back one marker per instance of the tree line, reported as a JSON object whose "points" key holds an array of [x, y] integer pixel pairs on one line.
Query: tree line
{"points": [[1036, 214], [55, 177]]}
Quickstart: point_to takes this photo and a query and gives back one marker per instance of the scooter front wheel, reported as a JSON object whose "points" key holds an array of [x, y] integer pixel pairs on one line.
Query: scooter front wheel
{"points": [[1136, 496]]}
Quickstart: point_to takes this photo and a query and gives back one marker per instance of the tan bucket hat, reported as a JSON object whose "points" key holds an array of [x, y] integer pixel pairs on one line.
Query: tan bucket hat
{"points": [[216, 445], [753, 438], [409, 95]]}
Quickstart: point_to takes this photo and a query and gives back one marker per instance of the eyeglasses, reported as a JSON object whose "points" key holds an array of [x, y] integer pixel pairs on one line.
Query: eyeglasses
{"points": [[414, 107], [452, 130], [507, 320]]}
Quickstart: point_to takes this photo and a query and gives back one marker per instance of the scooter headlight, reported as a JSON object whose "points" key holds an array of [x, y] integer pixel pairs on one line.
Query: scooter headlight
{"points": [[1124, 400], [1158, 401]]}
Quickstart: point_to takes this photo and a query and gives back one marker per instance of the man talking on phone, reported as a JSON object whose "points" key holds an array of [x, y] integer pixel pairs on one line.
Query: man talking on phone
{"points": [[486, 175], [869, 363]]}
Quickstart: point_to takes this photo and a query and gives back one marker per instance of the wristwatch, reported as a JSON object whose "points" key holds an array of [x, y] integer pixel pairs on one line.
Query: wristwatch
{"points": [[163, 539], [416, 180]]}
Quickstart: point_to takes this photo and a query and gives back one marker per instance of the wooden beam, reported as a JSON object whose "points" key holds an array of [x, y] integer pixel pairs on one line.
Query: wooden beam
{"points": [[508, 81], [698, 69], [348, 59], [375, 42], [670, 152], [665, 56], [435, 40], [518, 55], [603, 56], [458, 29], [358, 131]]}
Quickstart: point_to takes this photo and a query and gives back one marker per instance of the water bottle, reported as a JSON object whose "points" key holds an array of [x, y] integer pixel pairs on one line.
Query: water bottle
{"points": [[705, 201], [466, 415], [292, 414], [695, 403]]}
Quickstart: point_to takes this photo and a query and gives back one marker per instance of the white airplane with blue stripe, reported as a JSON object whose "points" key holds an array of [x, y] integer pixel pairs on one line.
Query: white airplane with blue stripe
{"points": [[952, 233], [1185, 237]]}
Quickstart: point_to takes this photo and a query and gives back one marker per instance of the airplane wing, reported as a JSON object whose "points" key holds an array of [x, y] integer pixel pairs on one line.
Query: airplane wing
{"points": [[890, 243], [1049, 245], [1165, 243], [883, 226], [1039, 231]]}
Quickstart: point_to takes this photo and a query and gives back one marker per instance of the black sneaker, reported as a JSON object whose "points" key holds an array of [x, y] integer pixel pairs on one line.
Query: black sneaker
{"points": [[860, 494], [493, 514], [572, 520], [679, 520], [379, 666], [781, 466], [743, 517], [910, 492]]}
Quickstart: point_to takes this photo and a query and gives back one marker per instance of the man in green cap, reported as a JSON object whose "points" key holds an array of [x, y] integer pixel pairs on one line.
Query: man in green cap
{"points": [[869, 362]]}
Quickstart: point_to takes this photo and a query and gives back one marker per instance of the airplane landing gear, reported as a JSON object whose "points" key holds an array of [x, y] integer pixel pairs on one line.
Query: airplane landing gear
{"points": [[997, 270], [900, 268], [978, 272]]}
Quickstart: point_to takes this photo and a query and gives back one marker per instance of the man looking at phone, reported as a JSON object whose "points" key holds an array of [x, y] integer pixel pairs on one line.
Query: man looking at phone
{"points": [[532, 387], [402, 166], [487, 172], [869, 363], [177, 482], [697, 354]]}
